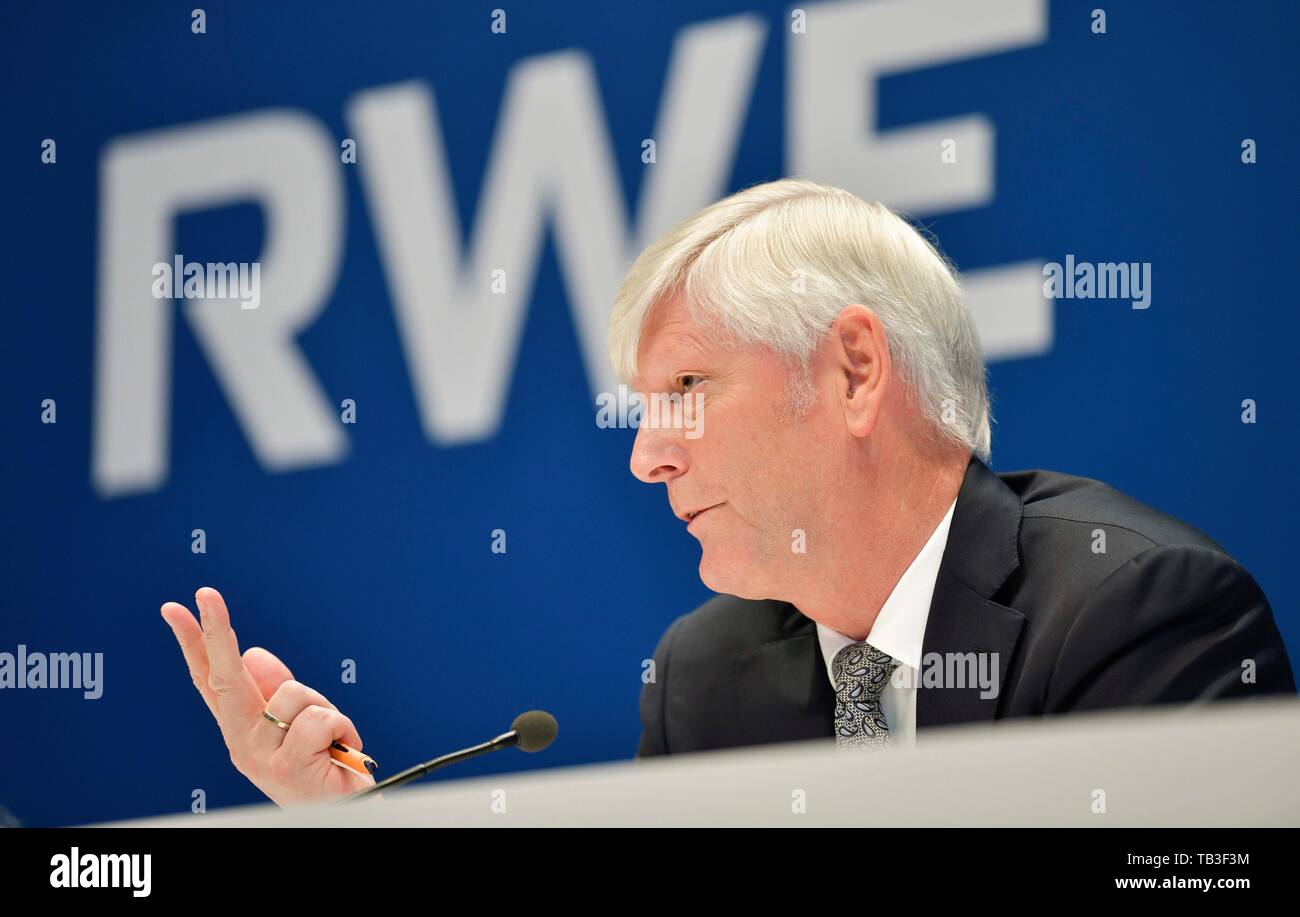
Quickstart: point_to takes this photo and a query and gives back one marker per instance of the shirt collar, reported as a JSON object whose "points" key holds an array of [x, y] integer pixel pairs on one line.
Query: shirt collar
{"points": [[900, 626]]}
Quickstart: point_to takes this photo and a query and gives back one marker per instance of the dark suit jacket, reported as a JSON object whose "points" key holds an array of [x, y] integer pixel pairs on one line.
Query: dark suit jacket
{"points": [[1163, 616]]}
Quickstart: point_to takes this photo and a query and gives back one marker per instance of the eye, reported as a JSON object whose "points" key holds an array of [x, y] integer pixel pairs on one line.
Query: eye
{"points": [[683, 380]]}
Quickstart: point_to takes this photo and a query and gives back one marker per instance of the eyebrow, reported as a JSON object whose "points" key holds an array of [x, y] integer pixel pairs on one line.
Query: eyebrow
{"points": [[683, 347]]}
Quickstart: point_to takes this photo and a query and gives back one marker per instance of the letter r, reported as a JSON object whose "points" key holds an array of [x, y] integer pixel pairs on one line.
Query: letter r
{"points": [[282, 159]]}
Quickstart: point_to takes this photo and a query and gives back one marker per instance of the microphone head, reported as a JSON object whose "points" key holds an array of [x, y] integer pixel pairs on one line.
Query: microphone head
{"points": [[536, 728]]}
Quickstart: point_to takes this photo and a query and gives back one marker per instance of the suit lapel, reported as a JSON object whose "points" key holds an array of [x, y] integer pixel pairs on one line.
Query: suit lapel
{"points": [[782, 693], [982, 552]]}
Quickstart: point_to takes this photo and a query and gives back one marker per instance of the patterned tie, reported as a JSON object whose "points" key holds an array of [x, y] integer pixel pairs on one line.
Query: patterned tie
{"points": [[861, 673]]}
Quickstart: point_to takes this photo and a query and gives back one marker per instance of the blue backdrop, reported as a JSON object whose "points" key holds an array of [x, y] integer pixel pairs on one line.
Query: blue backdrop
{"points": [[1122, 146]]}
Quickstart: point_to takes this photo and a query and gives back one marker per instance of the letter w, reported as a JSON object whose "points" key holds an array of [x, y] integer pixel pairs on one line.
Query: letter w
{"points": [[550, 161]]}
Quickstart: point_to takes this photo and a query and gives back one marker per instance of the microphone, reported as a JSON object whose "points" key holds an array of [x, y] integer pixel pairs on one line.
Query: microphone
{"points": [[530, 732]]}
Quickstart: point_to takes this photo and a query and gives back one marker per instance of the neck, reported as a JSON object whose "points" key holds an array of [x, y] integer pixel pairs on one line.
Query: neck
{"points": [[898, 502]]}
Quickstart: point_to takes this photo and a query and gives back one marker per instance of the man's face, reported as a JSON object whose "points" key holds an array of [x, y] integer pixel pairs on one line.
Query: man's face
{"points": [[758, 473]]}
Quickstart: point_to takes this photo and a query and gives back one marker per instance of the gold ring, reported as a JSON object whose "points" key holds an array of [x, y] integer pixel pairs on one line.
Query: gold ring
{"points": [[275, 720]]}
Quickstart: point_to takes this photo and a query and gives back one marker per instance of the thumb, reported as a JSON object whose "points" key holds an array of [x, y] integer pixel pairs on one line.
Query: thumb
{"points": [[267, 670]]}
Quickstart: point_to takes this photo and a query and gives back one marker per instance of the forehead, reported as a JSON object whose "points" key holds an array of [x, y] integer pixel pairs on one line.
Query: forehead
{"points": [[671, 333]]}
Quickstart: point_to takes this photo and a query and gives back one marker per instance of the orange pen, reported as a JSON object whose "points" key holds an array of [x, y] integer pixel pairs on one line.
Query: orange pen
{"points": [[346, 756]]}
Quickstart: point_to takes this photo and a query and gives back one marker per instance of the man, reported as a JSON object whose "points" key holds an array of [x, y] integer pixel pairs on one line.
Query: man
{"points": [[877, 577]]}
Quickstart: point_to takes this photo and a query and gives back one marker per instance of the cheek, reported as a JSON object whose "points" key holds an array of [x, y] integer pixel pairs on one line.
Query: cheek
{"points": [[793, 488], [772, 498], [770, 466]]}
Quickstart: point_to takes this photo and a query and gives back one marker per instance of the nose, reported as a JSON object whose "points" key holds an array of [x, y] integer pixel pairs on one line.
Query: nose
{"points": [[658, 455]]}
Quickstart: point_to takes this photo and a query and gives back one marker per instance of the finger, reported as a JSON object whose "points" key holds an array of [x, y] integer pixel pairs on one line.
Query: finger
{"points": [[293, 697], [189, 635], [312, 731], [288, 701], [239, 702], [268, 671]]}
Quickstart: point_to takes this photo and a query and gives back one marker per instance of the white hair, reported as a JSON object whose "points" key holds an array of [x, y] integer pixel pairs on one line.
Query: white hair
{"points": [[773, 265]]}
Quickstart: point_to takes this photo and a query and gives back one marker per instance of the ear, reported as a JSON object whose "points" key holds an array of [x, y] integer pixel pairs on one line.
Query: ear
{"points": [[863, 368]]}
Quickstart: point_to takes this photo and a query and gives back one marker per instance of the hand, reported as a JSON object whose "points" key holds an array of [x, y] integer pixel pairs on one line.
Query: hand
{"points": [[290, 766]]}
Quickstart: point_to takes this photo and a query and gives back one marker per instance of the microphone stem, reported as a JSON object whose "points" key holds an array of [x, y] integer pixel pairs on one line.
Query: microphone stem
{"points": [[505, 740]]}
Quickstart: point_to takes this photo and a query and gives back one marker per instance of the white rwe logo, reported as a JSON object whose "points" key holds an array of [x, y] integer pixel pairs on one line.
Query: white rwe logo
{"points": [[551, 166], [103, 870]]}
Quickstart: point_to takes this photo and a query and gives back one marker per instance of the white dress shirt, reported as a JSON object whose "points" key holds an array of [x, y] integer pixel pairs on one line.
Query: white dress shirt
{"points": [[898, 631]]}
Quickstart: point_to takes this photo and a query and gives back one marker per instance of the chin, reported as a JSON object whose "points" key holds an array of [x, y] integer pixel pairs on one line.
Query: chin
{"points": [[731, 576]]}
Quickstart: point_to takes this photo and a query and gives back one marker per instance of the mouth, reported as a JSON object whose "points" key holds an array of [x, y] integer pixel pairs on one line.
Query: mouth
{"points": [[690, 517]]}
